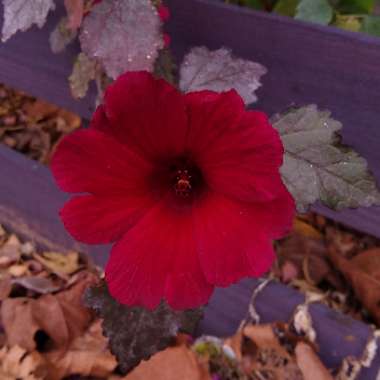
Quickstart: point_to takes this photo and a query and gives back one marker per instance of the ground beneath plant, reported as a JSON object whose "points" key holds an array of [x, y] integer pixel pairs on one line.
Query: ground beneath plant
{"points": [[48, 334]]}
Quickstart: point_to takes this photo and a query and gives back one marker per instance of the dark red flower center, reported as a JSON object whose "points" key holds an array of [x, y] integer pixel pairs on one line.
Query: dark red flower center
{"points": [[183, 183], [181, 176], [185, 177]]}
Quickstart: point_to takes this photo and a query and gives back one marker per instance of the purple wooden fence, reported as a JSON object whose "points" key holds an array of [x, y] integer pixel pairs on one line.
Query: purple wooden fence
{"points": [[335, 69]]}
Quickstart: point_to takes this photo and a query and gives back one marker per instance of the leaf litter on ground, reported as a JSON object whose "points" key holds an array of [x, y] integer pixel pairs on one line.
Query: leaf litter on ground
{"points": [[48, 333], [323, 257], [32, 126]]}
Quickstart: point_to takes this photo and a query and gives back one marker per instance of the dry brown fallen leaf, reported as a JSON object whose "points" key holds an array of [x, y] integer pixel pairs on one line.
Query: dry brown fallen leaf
{"points": [[310, 364], [363, 275], [10, 251], [39, 285], [87, 355], [345, 242], [67, 317], [306, 229], [5, 286], [61, 265], [18, 322], [369, 262], [289, 271], [39, 109], [174, 363], [273, 351], [33, 126], [307, 254], [67, 121], [259, 351], [77, 316], [18, 270], [17, 363]]}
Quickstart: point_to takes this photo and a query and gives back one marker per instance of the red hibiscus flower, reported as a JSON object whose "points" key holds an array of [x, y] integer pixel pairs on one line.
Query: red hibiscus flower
{"points": [[187, 186]]}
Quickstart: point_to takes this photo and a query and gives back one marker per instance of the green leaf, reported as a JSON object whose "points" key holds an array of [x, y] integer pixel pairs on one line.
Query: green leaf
{"points": [[356, 6], [371, 25], [255, 4], [135, 333], [347, 22], [286, 7], [318, 11], [317, 166]]}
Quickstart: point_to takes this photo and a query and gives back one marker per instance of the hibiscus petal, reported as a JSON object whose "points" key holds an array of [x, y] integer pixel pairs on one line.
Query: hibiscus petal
{"points": [[90, 161], [99, 120], [157, 260], [231, 240], [186, 276], [245, 163], [210, 115], [147, 114], [99, 219], [239, 151], [276, 217]]}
